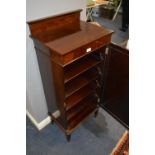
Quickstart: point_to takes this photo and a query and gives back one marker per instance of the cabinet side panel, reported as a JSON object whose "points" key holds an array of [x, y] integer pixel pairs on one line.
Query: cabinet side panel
{"points": [[58, 81], [47, 79]]}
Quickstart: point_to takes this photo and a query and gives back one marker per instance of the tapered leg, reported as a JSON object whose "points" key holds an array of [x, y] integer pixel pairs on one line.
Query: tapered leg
{"points": [[96, 113], [68, 137]]}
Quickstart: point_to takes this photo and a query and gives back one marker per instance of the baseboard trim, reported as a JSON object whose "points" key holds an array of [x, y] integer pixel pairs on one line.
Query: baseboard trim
{"points": [[40, 125]]}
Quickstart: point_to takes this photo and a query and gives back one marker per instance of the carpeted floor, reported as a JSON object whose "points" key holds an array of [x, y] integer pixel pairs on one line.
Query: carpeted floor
{"points": [[96, 136]]}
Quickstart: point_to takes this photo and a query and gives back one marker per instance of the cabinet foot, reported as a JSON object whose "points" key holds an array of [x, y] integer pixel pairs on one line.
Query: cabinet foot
{"points": [[96, 113], [68, 137]]}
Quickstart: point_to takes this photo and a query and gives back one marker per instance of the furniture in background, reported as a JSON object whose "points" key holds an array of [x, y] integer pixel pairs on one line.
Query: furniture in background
{"points": [[107, 9], [91, 6]]}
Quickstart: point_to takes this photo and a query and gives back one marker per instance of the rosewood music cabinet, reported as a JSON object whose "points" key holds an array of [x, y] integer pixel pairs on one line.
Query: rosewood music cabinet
{"points": [[71, 56]]}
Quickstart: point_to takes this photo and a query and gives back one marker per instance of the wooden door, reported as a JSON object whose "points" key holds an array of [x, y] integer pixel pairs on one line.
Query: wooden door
{"points": [[115, 93]]}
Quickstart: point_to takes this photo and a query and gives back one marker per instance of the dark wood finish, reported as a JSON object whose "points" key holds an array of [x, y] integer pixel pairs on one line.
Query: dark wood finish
{"points": [[41, 28], [116, 91], [76, 69], [81, 81], [95, 34], [83, 104], [47, 79], [71, 53], [81, 115], [63, 29], [75, 98]]}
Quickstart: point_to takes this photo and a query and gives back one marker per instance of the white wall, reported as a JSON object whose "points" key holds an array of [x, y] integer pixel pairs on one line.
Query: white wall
{"points": [[36, 102]]}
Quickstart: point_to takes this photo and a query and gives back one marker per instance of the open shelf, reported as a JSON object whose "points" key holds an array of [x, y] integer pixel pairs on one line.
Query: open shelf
{"points": [[75, 98], [76, 117], [79, 67], [81, 81], [81, 105], [81, 115]]}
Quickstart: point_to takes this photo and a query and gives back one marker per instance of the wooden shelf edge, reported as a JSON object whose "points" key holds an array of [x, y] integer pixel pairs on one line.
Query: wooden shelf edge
{"points": [[84, 70], [70, 129], [72, 123], [81, 106], [86, 82], [93, 88]]}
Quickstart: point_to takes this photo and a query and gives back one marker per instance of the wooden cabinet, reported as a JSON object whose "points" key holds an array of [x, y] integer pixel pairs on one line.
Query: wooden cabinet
{"points": [[71, 57]]}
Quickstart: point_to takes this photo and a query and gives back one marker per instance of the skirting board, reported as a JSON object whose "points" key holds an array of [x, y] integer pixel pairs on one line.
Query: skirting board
{"points": [[47, 120], [40, 125]]}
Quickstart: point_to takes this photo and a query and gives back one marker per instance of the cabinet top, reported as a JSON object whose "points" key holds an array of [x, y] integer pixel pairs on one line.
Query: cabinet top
{"points": [[64, 33]]}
